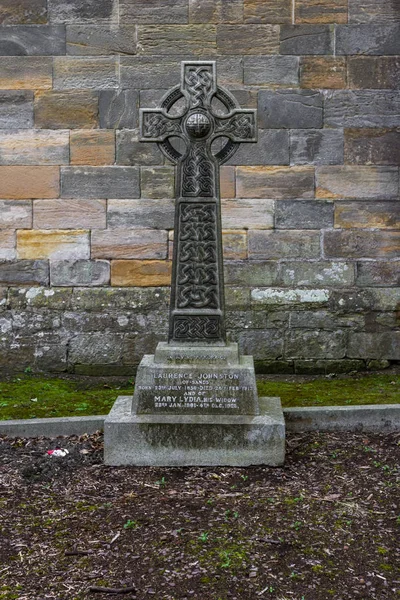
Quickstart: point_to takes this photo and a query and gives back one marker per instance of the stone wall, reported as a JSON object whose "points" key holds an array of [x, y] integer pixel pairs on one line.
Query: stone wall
{"points": [[311, 213]]}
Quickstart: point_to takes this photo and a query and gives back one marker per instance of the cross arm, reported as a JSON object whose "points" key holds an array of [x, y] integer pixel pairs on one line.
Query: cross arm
{"points": [[156, 126], [239, 126]]}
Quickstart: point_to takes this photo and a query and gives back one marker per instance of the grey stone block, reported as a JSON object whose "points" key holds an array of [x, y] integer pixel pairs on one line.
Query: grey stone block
{"points": [[51, 428], [387, 299], [316, 147], [147, 72], [378, 273], [371, 38], [118, 109], [289, 109], [39, 297], [283, 244], [373, 11], [100, 182], [280, 70], [280, 298], [86, 11], [98, 347], [374, 72], [15, 214], [367, 108], [303, 214], [374, 345], [306, 39], [315, 344], [32, 40], [110, 321], [372, 146], [322, 319], [271, 148], [358, 182], [100, 40], [349, 243], [131, 151], [16, 109], [379, 418], [154, 11], [263, 344], [75, 72], [100, 299], [24, 272], [316, 274], [80, 272], [156, 214], [251, 274], [23, 12]]}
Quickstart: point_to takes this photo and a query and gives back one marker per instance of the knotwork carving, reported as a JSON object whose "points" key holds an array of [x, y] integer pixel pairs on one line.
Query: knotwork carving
{"points": [[197, 173], [241, 125], [156, 125], [197, 327], [199, 84]]}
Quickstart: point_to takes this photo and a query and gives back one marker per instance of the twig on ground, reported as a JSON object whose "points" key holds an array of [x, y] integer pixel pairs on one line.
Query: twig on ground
{"points": [[105, 590]]}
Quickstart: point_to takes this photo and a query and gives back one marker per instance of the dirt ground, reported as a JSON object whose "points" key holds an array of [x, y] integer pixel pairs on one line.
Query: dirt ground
{"points": [[326, 525]]}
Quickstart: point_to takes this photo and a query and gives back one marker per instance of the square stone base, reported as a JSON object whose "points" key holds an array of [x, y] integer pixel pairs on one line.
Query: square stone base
{"points": [[198, 440]]}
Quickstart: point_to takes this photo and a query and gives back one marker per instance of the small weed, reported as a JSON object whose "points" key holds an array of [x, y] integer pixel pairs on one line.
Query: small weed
{"points": [[161, 482], [130, 524], [203, 537], [297, 525]]}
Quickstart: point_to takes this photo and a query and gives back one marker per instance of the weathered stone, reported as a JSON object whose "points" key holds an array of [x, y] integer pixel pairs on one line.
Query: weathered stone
{"points": [[56, 245], [152, 273], [16, 110], [118, 109], [316, 146], [316, 274], [237, 297], [100, 182], [246, 97], [371, 72], [373, 11], [357, 182], [132, 298], [34, 147], [378, 273], [15, 214], [92, 147], [26, 73], [272, 245], [385, 299], [248, 39], [215, 11], [82, 11], [327, 72], [227, 182], [372, 146], [23, 12], [7, 244], [303, 214], [334, 367], [114, 321], [129, 243], [157, 182], [32, 40], [374, 38], [261, 344], [361, 244], [272, 148], [69, 214], [96, 347], [289, 109], [36, 320], [275, 182], [278, 298], [380, 215], [321, 11], [315, 344], [266, 367], [245, 319], [374, 345], [353, 301], [153, 11], [362, 109], [80, 272], [40, 297], [248, 213], [139, 214], [100, 40], [29, 182], [251, 274], [130, 151], [277, 70], [99, 73], [234, 244], [323, 319], [306, 39], [148, 72], [24, 272], [196, 40], [267, 11], [66, 110]]}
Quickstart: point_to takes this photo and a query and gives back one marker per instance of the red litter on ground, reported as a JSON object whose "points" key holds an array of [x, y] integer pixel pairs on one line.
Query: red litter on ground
{"points": [[58, 452]]}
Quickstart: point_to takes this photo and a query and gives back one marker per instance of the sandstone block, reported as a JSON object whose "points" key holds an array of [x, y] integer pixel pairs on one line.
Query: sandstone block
{"points": [[157, 182], [100, 182], [370, 72], [372, 11], [372, 146], [7, 244], [371, 38], [98, 73], [66, 110], [196, 40], [234, 244], [380, 215], [271, 148], [306, 39], [82, 11], [130, 151], [323, 319], [274, 245], [24, 272], [374, 345], [148, 72], [146, 273], [251, 274], [289, 109], [315, 344], [95, 300], [97, 347], [34, 147], [321, 11], [129, 243], [248, 213], [40, 297], [362, 109], [262, 344], [378, 273], [215, 11], [361, 244], [275, 182], [357, 182], [55, 245], [92, 147], [316, 146], [16, 110], [95, 40], [303, 214], [316, 274], [26, 73], [267, 11], [23, 12], [248, 39], [153, 11], [15, 214], [31, 40], [323, 72], [140, 214], [80, 272], [277, 70], [29, 182], [118, 109], [227, 182], [69, 214]]}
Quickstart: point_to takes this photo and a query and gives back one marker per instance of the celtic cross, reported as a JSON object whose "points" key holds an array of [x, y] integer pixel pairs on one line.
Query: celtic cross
{"points": [[197, 290]]}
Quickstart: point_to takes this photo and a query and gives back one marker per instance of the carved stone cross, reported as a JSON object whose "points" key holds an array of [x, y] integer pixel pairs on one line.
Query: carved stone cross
{"points": [[197, 290]]}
